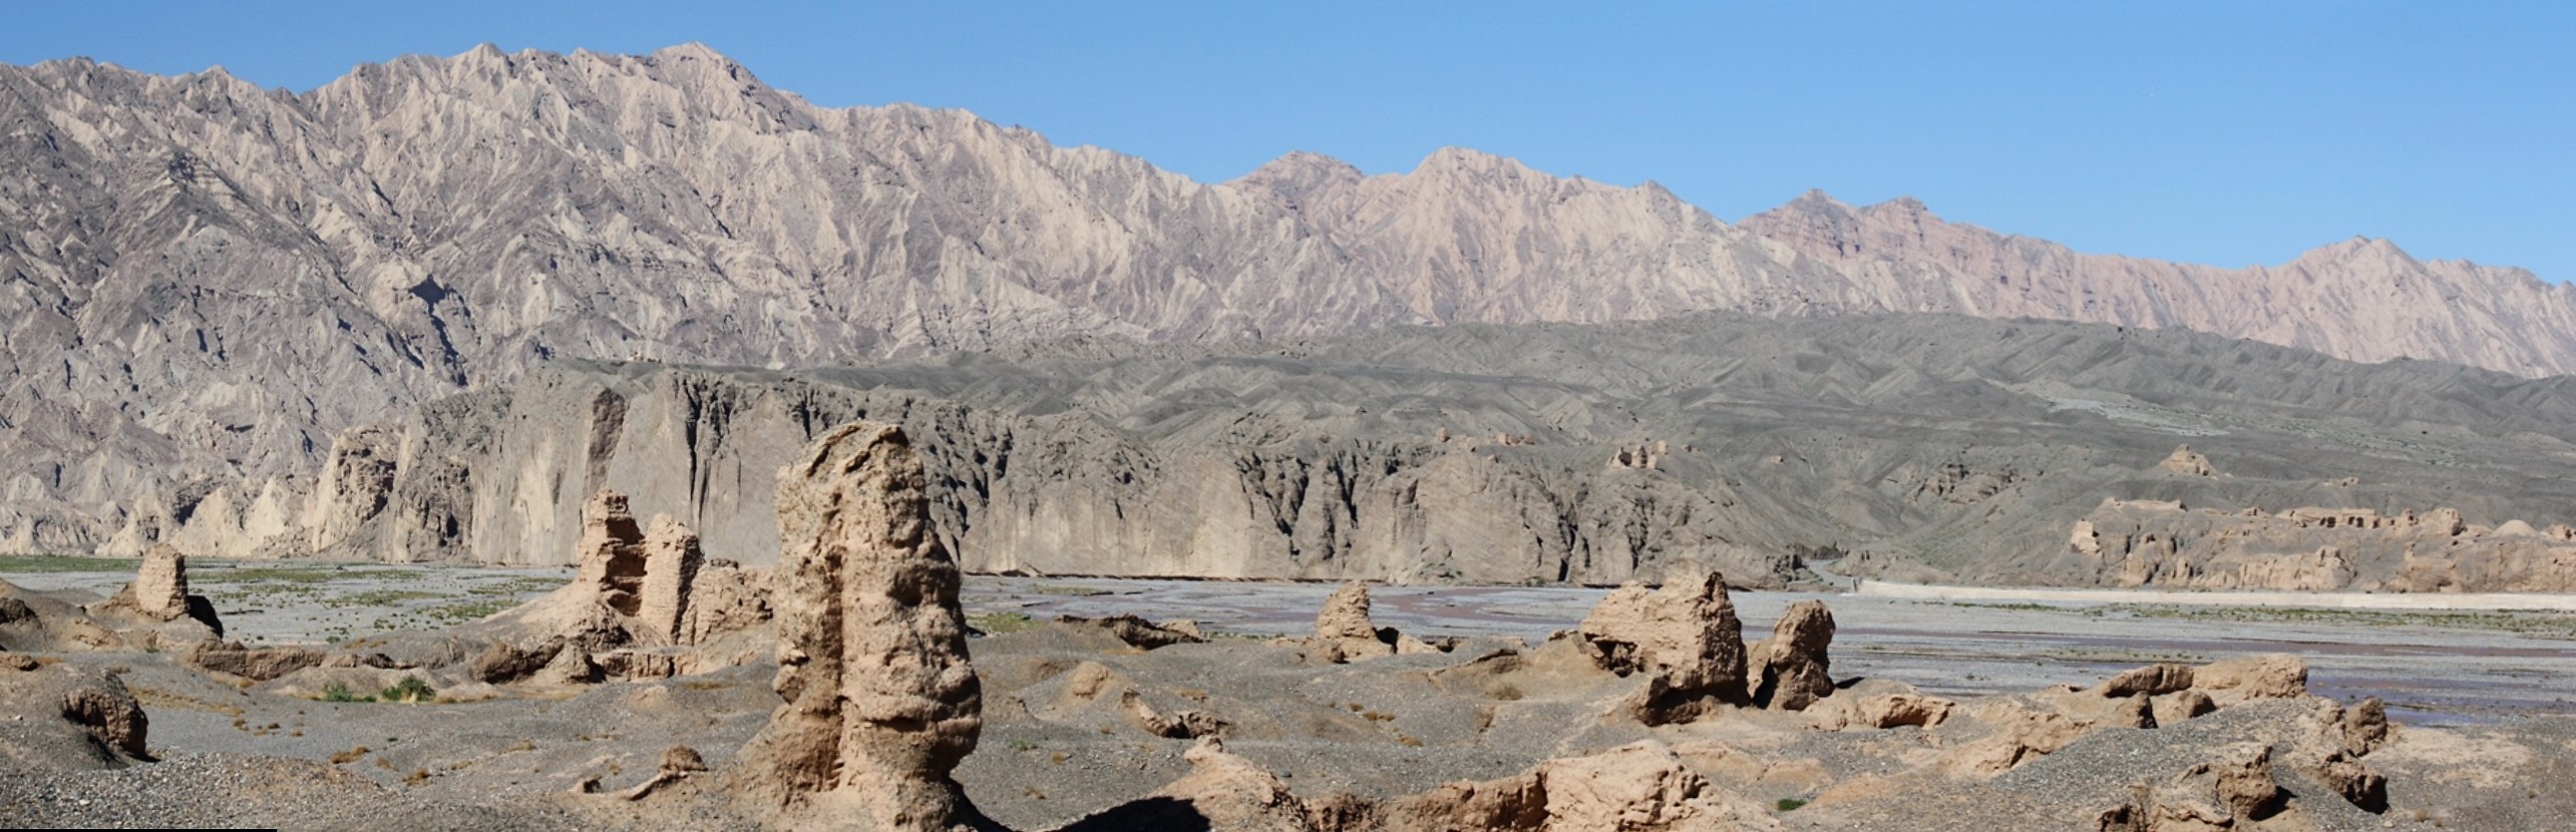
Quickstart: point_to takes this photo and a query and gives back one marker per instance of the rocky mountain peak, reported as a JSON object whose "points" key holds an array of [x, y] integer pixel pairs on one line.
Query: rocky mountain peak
{"points": [[1293, 179], [226, 275]]}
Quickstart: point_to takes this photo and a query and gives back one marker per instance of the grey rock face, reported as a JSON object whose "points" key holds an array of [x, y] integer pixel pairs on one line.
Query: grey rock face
{"points": [[1921, 447], [204, 281], [2361, 299]]}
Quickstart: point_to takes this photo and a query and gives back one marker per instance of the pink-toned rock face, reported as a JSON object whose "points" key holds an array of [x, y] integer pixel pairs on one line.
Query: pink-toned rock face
{"points": [[880, 701]]}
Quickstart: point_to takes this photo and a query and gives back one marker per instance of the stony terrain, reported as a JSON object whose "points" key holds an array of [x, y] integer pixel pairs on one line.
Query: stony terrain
{"points": [[624, 700], [203, 280]]}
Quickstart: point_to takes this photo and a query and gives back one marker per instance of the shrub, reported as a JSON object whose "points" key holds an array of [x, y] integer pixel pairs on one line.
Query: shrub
{"points": [[339, 692], [410, 689]]}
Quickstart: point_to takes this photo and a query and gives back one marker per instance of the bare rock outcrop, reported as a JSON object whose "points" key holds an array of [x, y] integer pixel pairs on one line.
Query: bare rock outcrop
{"points": [[2188, 462], [67, 718], [1343, 631], [1791, 669], [1683, 637], [1223, 791], [159, 593], [2152, 680], [1139, 633], [880, 702], [2261, 676], [259, 664], [678, 762], [2019, 729], [2141, 543], [1641, 787], [635, 589], [2338, 740], [1879, 704], [2233, 789]]}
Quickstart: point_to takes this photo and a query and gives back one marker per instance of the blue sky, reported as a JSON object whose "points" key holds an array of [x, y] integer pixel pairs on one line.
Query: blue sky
{"points": [[2219, 132]]}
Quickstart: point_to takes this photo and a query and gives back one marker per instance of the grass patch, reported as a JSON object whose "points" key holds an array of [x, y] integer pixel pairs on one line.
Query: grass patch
{"points": [[29, 564], [518, 586], [2020, 606], [1074, 591], [461, 612], [383, 597], [265, 575], [1001, 623], [410, 689]]}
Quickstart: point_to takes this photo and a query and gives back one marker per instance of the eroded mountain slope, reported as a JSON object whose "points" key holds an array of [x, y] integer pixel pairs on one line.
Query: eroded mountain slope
{"points": [[202, 280], [1929, 446]]}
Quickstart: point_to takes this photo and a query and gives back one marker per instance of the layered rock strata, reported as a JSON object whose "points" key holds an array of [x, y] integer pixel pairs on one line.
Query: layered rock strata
{"points": [[1931, 450], [881, 703], [2164, 544], [642, 603]]}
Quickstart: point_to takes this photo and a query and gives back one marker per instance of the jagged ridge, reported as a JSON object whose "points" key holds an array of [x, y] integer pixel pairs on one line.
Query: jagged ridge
{"points": [[202, 279]]}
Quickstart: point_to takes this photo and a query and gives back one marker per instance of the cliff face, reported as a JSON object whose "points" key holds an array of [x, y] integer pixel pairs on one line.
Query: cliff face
{"points": [[1927, 447], [2168, 545], [202, 280]]}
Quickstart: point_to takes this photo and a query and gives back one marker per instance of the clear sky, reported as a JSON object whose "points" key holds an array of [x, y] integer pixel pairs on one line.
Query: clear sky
{"points": [[2220, 132]]}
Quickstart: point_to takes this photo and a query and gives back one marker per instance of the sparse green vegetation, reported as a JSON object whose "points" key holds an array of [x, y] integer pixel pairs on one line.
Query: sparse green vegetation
{"points": [[517, 586], [2543, 625], [1788, 804], [464, 611], [1001, 623], [1075, 591], [26, 564], [383, 597], [2022, 606], [265, 575], [410, 689]]}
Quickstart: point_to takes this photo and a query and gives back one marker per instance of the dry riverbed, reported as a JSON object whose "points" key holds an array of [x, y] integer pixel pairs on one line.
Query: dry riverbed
{"points": [[2431, 666]]}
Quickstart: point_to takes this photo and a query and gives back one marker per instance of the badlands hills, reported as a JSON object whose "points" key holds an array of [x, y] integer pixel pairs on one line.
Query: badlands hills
{"points": [[203, 282], [1917, 447]]}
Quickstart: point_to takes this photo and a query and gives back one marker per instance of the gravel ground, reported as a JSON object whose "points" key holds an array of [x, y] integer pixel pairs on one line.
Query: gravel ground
{"points": [[2485, 702]]}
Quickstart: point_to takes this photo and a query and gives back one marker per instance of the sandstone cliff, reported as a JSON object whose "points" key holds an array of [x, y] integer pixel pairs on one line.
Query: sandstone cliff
{"points": [[2168, 545], [1923, 447]]}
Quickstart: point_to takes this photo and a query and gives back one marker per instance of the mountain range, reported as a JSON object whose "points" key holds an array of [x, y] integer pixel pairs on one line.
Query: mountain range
{"points": [[202, 280]]}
